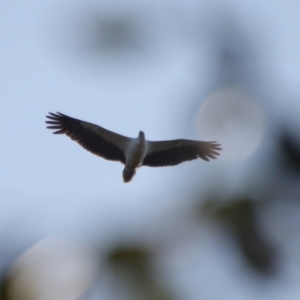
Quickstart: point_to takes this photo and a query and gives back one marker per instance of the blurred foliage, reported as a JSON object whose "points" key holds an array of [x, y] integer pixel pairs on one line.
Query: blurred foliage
{"points": [[109, 34], [8, 291], [290, 148], [132, 266], [4, 288], [239, 215], [11, 291]]}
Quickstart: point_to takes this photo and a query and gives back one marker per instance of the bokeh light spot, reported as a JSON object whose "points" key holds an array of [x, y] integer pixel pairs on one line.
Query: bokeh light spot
{"points": [[233, 118], [54, 268]]}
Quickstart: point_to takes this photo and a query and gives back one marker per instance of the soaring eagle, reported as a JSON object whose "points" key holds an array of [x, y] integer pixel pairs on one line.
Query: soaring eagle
{"points": [[132, 152]]}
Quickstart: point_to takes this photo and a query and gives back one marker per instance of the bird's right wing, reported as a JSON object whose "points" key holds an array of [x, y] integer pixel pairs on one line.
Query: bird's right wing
{"points": [[93, 138], [174, 152]]}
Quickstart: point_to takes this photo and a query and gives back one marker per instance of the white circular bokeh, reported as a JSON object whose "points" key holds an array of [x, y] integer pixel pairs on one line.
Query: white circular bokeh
{"points": [[54, 268], [233, 118]]}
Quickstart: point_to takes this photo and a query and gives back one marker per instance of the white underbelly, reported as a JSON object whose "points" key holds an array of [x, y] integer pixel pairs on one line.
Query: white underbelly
{"points": [[136, 154]]}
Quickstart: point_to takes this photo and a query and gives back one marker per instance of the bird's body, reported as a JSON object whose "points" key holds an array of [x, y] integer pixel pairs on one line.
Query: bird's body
{"points": [[132, 152], [135, 153]]}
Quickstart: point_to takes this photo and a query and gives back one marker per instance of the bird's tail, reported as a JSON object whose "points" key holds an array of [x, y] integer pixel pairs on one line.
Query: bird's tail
{"points": [[128, 174]]}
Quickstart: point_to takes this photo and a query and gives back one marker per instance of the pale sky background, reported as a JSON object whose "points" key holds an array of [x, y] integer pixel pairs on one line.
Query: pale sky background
{"points": [[151, 68]]}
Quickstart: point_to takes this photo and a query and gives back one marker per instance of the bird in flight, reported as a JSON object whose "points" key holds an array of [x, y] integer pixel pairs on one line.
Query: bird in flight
{"points": [[132, 152]]}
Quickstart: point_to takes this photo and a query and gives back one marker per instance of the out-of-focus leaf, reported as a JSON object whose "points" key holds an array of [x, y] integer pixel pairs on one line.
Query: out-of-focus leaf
{"points": [[4, 288], [240, 217], [131, 265], [290, 150]]}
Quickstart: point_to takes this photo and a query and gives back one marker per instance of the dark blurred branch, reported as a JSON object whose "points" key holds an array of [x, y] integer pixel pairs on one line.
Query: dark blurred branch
{"points": [[240, 218]]}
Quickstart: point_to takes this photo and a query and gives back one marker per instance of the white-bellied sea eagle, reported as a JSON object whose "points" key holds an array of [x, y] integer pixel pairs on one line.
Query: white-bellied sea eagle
{"points": [[132, 152]]}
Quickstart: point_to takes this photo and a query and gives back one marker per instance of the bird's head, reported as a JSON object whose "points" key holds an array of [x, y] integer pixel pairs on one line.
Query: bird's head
{"points": [[141, 135]]}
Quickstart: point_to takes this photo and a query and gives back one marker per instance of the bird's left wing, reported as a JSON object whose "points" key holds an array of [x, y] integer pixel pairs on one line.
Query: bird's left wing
{"points": [[174, 152], [93, 138]]}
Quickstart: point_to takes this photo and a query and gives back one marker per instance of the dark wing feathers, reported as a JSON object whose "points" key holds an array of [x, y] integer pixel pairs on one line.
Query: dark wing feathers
{"points": [[181, 151], [84, 136]]}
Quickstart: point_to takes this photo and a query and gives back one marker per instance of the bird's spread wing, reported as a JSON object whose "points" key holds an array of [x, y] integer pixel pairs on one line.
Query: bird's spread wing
{"points": [[174, 152], [93, 138]]}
